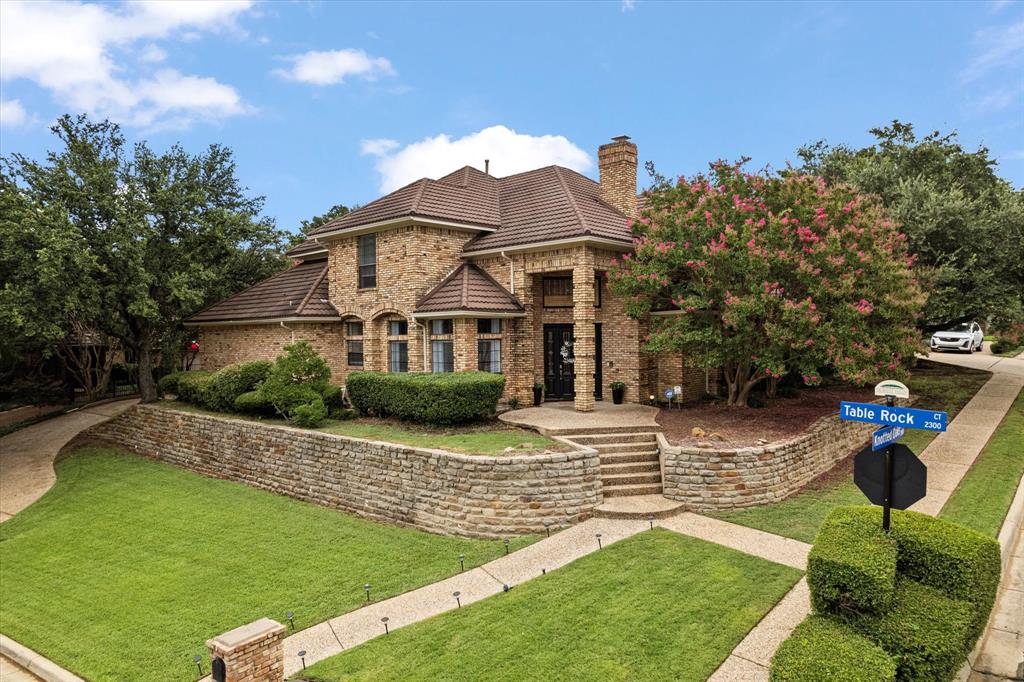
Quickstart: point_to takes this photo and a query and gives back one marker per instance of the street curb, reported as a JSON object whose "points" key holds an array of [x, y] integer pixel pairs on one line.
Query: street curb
{"points": [[36, 664]]}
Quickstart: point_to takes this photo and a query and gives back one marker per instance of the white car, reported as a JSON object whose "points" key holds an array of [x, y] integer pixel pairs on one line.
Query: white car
{"points": [[963, 337]]}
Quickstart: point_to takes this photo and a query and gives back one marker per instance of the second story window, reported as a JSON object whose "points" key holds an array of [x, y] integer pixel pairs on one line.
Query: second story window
{"points": [[367, 261]]}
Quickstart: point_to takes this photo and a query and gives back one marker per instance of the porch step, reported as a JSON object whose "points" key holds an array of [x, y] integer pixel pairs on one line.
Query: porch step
{"points": [[614, 438], [646, 467], [628, 457], [629, 490], [616, 480], [638, 507], [610, 448], [571, 431]]}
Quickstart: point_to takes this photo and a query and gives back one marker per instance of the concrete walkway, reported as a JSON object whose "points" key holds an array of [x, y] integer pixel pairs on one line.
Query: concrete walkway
{"points": [[562, 418], [26, 456]]}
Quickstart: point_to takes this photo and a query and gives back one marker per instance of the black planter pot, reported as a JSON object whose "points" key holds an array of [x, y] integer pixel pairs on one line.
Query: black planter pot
{"points": [[617, 394], [538, 395]]}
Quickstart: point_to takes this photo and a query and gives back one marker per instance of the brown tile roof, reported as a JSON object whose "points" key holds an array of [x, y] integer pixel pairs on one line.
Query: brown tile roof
{"points": [[469, 289], [307, 250], [540, 205], [300, 291]]}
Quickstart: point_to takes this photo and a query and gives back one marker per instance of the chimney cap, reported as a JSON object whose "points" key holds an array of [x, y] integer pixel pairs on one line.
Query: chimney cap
{"points": [[620, 138]]}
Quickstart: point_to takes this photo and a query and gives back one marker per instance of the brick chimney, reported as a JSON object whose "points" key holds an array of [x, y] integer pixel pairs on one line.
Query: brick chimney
{"points": [[617, 164]]}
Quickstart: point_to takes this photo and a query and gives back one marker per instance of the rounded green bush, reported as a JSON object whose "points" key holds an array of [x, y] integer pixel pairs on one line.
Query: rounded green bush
{"points": [[309, 415], [169, 383], [332, 398], [192, 385], [227, 383], [820, 649], [253, 402], [427, 398]]}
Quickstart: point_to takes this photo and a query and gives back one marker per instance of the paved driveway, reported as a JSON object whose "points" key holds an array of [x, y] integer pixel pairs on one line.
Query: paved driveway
{"points": [[983, 360]]}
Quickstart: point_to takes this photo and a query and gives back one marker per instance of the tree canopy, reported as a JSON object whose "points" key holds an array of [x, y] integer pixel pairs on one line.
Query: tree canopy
{"points": [[764, 275], [125, 241], [964, 222]]}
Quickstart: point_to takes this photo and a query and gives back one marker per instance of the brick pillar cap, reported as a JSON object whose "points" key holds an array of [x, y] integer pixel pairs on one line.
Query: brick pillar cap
{"points": [[228, 642]]}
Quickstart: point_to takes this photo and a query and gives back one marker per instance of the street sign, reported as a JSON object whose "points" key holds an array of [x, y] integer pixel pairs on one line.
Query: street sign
{"points": [[909, 476], [885, 436], [907, 417], [891, 387], [669, 393]]}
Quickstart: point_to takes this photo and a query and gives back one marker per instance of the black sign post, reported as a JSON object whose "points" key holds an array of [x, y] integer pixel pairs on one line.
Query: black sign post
{"points": [[887, 500]]}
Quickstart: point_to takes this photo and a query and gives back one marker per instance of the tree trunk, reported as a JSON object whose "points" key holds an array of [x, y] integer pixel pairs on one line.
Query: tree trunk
{"points": [[772, 387], [147, 387], [88, 356]]}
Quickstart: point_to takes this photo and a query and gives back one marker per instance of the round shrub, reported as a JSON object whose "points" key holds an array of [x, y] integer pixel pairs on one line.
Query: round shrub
{"points": [[227, 383], [820, 649], [284, 399], [300, 365], [440, 399], [309, 415], [169, 383], [192, 385], [253, 402]]}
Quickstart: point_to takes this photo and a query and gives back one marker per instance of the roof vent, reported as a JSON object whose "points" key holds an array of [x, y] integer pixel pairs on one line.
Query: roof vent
{"points": [[487, 166]]}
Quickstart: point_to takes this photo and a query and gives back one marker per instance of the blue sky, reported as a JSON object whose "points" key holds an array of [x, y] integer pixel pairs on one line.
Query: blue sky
{"points": [[329, 103]]}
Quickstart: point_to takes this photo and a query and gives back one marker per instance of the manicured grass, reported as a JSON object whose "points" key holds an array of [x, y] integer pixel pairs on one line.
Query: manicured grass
{"points": [[126, 567], [657, 606], [488, 439], [943, 387], [985, 493]]}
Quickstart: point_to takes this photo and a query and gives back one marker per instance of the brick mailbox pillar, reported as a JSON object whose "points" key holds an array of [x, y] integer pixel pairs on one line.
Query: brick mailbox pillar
{"points": [[251, 653]]}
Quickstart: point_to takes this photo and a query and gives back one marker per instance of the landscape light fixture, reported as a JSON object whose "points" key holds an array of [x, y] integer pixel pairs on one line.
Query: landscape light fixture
{"points": [[599, 541], [367, 588], [505, 588], [547, 527], [302, 657], [198, 660], [385, 620], [291, 619], [458, 601], [462, 562], [650, 520], [506, 545]]}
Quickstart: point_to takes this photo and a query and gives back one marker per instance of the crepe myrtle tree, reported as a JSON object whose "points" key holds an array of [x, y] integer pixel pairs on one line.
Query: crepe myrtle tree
{"points": [[763, 275]]}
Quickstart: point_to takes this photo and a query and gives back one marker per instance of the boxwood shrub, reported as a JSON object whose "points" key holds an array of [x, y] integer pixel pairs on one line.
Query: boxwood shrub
{"points": [[191, 386], [928, 633], [169, 383], [852, 564], [427, 398], [821, 649], [253, 402], [227, 383]]}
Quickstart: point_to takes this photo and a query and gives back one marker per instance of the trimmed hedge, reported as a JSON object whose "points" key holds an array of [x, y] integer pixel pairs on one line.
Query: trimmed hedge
{"points": [[927, 633], [253, 402], [852, 564], [231, 381], [821, 649], [427, 398], [169, 383], [309, 415], [192, 385], [961, 562]]}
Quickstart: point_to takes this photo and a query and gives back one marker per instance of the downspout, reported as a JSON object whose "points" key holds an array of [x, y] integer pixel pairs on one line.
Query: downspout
{"points": [[511, 273], [425, 341], [284, 326]]}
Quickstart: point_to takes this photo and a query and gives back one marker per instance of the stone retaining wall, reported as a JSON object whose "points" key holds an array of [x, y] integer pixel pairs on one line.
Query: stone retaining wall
{"points": [[434, 490], [709, 479]]}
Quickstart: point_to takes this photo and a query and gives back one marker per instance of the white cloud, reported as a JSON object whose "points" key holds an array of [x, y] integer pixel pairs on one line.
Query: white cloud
{"points": [[999, 98], [628, 5], [69, 49], [334, 66], [509, 152], [12, 114], [996, 48], [151, 53]]}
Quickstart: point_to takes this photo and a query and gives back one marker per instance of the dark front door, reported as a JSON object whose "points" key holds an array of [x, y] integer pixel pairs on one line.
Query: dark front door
{"points": [[558, 383], [558, 365]]}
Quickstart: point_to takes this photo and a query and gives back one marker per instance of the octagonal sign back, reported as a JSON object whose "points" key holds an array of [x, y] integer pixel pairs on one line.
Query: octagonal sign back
{"points": [[910, 476]]}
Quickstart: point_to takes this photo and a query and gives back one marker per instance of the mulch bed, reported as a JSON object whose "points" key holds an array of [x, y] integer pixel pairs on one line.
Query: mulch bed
{"points": [[782, 419]]}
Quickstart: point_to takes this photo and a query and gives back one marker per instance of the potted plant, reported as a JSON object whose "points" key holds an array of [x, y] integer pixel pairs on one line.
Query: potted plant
{"points": [[538, 394], [618, 391]]}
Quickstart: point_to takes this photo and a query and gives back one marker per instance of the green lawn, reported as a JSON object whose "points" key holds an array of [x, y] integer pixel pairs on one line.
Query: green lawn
{"points": [[943, 387], [126, 567], [487, 439], [657, 606], [985, 493]]}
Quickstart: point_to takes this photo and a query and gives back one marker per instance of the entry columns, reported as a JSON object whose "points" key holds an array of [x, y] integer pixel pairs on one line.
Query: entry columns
{"points": [[583, 328]]}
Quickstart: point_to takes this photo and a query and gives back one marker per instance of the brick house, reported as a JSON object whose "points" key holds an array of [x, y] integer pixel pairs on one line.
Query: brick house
{"points": [[466, 272]]}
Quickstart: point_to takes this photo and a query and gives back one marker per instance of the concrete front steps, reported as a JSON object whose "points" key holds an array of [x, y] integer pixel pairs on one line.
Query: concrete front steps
{"points": [[629, 460]]}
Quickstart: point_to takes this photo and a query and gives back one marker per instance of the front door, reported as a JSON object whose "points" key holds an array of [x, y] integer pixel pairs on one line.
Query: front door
{"points": [[558, 362], [558, 358]]}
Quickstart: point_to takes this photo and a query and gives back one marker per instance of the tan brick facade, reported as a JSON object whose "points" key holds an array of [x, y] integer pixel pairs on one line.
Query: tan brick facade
{"points": [[617, 162], [228, 344]]}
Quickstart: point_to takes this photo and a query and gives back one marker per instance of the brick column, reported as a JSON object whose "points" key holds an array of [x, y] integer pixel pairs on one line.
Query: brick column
{"points": [[583, 328], [251, 653], [464, 344], [375, 357]]}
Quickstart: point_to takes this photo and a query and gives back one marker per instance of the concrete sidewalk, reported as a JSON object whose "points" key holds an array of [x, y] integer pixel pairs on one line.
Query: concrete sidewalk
{"points": [[26, 456]]}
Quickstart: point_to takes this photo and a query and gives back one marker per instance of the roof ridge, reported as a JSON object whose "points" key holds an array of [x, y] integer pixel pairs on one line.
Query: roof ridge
{"points": [[239, 293], [495, 282], [309, 294], [572, 199], [465, 287], [419, 195], [447, 278]]}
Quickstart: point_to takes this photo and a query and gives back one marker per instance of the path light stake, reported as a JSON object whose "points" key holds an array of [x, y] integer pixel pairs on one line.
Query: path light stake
{"points": [[385, 620], [291, 622], [547, 527], [505, 588], [462, 562], [599, 541], [302, 655], [650, 520], [198, 660], [367, 588], [457, 600], [543, 571], [506, 545]]}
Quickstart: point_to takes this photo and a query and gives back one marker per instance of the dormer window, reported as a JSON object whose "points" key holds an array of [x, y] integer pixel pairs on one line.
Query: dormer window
{"points": [[367, 248]]}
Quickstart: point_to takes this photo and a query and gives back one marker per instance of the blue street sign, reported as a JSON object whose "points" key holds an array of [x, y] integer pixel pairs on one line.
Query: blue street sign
{"points": [[669, 394], [907, 417], [886, 436]]}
